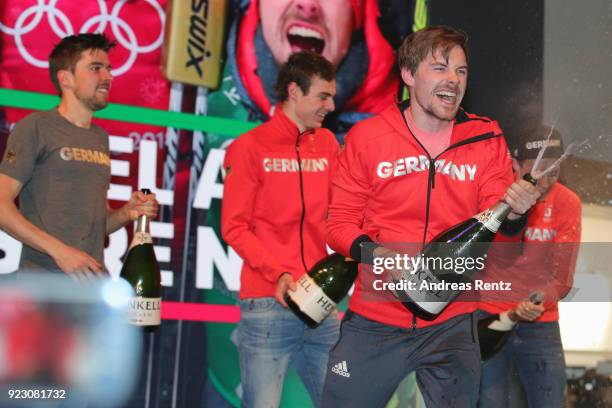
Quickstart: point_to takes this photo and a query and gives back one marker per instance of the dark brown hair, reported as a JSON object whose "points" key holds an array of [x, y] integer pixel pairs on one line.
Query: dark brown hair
{"points": [[301, 68], [67, 53]]}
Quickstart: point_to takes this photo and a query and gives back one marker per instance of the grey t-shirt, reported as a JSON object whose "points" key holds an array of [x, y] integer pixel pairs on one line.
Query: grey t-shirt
{"points": [[65, 172]]}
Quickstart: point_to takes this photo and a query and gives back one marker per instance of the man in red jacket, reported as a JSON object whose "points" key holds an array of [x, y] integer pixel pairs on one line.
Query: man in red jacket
{"points": [[544, 263], [274, 208], [406, 175]]}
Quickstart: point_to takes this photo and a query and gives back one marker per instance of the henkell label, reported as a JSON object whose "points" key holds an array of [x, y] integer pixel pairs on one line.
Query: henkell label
{"points": [[311, 299], [144, 311]]}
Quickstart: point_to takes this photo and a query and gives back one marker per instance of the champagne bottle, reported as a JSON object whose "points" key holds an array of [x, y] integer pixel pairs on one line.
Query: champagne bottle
{"points": [[494, 331], [141, 271], [469, 239], [321, 289]]}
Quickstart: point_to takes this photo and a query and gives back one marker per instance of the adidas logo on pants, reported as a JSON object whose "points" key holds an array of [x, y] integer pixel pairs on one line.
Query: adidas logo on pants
{"points": [[341, 369]]}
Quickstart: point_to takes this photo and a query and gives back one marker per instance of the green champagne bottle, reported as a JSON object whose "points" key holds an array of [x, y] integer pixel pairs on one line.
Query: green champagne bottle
{"points": [[469, 239], [141, 270], [321, 289]]}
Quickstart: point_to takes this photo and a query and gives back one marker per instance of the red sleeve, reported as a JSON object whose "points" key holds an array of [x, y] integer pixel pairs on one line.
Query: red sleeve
{"points": [[497, 175], [349, 197], [565, 251], [239, 192]]}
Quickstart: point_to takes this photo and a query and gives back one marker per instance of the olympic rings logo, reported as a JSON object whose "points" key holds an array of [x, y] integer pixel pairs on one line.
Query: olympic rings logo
{"points": [[100, 21]]}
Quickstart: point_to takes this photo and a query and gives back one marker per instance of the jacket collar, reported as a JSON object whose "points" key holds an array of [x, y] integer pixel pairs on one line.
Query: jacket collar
{"points": [[284, 126], [394, 116], [460, 117]]}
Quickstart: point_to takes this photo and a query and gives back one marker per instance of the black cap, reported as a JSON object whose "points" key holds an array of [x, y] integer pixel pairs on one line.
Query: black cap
{"points": [[535, 138]]}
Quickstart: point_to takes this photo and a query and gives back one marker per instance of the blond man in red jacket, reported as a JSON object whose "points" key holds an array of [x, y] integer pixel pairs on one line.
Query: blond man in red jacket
{"points": [[406, 175], [274, 208]]}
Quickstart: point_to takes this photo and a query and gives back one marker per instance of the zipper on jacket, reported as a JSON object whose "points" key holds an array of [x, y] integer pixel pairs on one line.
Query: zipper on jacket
{"points": [[303, 216], [432, 171], [431, 178], [431, 175]]}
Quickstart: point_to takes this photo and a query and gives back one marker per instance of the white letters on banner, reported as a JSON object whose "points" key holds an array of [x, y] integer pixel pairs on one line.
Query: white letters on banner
{"points": [[208, 188], [210, 253], [120, 168]]}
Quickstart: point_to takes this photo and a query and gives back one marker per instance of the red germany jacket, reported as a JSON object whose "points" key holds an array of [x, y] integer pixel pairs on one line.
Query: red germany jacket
{"points": [[384, 188], [545, 259], [264, 201]]}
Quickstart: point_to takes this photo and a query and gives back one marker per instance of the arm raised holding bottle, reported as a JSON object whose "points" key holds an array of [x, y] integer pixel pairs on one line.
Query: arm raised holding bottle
{"points": [[521, 196], [468, 239]]}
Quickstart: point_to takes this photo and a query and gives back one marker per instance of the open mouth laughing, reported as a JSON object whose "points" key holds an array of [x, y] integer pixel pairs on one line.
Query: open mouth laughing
{"points": [[447, 96], [302, 38]]}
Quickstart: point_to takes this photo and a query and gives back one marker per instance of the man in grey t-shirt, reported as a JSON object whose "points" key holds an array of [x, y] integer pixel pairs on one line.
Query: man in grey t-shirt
{"points": [[58, 163]]}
